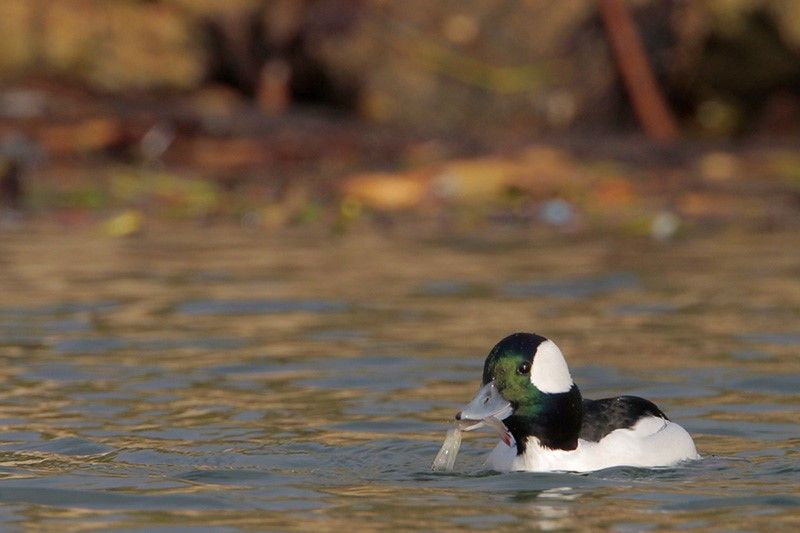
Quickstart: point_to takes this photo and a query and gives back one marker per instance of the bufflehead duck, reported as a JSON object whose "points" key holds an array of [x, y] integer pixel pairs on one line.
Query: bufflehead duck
{"points": [[550, 427]]}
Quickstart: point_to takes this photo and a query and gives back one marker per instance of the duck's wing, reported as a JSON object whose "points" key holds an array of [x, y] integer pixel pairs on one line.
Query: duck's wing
{"points": [[601, 417]]}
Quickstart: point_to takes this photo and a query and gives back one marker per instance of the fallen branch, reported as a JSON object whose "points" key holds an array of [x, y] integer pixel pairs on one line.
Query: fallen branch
{"points": [[646, 97]]}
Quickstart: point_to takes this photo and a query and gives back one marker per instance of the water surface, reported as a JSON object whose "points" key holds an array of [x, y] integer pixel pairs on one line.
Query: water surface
{"points": [[212, 378]]}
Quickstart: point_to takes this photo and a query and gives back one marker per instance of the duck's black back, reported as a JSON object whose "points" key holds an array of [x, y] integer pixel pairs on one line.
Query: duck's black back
{"points": [[601, 417]]}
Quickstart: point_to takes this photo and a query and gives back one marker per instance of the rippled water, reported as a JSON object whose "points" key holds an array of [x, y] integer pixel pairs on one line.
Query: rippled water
{"points": [[214, 378]]}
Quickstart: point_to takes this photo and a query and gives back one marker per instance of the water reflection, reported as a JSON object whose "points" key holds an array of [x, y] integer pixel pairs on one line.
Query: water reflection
{"points": [[583, 287], [257, 307]]}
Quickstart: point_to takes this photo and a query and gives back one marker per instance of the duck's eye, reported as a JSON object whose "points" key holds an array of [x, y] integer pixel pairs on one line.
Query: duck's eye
{"points": [[523, 368]]}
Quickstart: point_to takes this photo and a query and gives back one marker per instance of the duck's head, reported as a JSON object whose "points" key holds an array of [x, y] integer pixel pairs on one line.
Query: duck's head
{"points": [[525, 379]]}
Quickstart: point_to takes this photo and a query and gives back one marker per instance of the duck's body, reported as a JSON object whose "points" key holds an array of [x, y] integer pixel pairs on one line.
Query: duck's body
{"points": [[650, 442], [526, 383]]}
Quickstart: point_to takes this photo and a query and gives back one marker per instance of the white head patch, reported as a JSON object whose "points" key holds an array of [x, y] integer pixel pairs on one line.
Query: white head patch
{"points": [[549, 372]]}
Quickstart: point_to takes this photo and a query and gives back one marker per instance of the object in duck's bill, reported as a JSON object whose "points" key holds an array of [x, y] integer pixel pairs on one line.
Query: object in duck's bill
{"points": [[446, 458]]}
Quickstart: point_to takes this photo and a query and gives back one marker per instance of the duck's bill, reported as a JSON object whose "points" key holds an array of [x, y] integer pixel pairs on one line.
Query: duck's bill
{"points": [[487, 403]]}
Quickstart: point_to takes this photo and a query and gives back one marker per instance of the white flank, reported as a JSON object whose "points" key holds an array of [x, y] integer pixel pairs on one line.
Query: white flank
{"points": [[550, 372], [652, 442]]}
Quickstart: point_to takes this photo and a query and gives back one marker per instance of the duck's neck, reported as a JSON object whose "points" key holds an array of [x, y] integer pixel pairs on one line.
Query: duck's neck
{"points": [[555, 420]]}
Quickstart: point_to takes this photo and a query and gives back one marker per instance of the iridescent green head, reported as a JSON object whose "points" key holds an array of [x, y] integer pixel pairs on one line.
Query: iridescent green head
{"points": [[525, 363], [521, 369], [527, 384]]}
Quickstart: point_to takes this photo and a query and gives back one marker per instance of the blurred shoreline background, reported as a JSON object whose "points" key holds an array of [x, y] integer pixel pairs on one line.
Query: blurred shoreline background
{"points": [[278, 113]]}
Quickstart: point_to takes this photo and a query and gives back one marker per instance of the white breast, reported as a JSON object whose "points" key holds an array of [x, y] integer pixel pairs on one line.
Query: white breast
{"points": [[653, 441]]}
